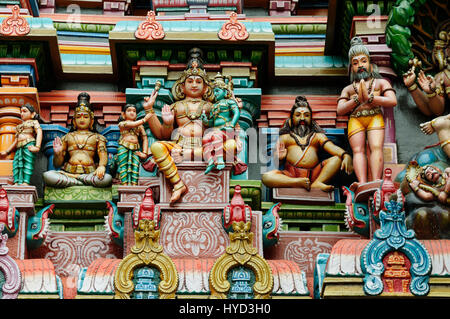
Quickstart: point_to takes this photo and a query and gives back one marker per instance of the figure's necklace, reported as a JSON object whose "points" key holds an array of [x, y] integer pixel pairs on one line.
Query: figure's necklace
{"points": [[193, 115], [372, 80], [82, 145], [307, 142]]}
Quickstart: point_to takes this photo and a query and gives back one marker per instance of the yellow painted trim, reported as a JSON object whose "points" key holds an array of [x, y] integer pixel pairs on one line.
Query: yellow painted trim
{"points": [[42, 33], [88, 69], [37, 296], [70, 49], [440, 280]]}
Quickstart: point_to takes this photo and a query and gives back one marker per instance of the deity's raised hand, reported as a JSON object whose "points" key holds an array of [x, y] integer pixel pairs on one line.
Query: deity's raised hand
{"points": [[409, 77], [426, 82], [150, 100], [57, 146], [167, 115]]}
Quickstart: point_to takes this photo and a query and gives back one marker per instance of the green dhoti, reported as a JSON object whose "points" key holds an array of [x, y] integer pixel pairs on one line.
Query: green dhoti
{"points": [[128, 165], [23, 164]]}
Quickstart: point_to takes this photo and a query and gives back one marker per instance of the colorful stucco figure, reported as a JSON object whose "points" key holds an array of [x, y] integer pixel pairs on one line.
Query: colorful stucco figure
{"points": [[224, 133], [38, 227], [129, 153], [76, 151], [193, 96], [301, 139], [364, 100], [26, 144], [432, 92], [9, 215]]}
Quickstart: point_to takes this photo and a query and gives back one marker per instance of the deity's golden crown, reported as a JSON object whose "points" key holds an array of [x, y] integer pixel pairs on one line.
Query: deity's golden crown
{"points": [[83, 108], [195, 70], [83, 105]]}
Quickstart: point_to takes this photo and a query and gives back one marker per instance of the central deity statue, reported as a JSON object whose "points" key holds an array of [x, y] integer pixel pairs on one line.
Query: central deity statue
{"points": [[193, 96], [77, 151]]}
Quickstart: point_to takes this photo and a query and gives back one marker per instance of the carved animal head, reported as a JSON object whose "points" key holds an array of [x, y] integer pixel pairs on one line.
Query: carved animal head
{"points": [[357, 214], [271, 226], [114, 223], [38, 227]]}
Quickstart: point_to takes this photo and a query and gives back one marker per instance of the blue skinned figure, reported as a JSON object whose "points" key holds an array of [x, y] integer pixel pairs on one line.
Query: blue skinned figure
{"points": [[222, 137]]}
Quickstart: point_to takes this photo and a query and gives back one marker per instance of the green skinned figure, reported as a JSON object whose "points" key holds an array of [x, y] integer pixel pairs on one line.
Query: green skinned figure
{"points": [[223, 122]]}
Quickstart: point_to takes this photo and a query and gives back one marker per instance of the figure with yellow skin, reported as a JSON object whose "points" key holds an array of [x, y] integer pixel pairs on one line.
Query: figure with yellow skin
{"points": [[363, 99], [76, 152], [301, 139], [193, 96], [26, 144]]}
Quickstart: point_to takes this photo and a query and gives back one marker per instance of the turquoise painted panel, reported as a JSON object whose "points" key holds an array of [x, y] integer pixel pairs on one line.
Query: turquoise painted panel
{"points": [[194, 26], [310, 62], [85, 59]]}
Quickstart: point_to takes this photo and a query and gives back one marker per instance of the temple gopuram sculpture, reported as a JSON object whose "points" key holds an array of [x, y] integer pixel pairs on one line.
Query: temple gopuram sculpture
{"points": [[26, 144], [300, 141], [193, 95], [81, 145], [214, 150], [364, 99]]}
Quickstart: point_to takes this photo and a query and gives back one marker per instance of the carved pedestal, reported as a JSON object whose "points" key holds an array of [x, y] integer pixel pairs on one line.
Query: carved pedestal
{"points": [[212, 188], [192, 227], [303, 196], [23, 199], [129, 198]]}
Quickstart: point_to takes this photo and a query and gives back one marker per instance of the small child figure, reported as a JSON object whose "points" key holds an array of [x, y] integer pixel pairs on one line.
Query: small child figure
{"points": [[128, 153], [26, 144], [223, 120]]}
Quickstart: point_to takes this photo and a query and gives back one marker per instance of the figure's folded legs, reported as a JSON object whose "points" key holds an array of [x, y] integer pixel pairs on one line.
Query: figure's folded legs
{"points": [[60, 180], [327, 170], [166, 165]]}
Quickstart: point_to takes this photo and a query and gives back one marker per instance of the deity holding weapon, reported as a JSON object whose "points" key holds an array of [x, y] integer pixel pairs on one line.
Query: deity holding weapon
{"points": [[129, 154], [224, 133], [77, 151], [193, 96], [26, 144], [364, 99]]}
